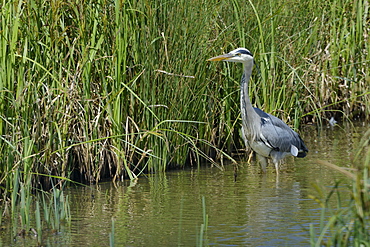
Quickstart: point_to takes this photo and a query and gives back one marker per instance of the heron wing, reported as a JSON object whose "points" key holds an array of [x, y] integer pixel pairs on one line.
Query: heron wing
{"points": [[279, 136]]}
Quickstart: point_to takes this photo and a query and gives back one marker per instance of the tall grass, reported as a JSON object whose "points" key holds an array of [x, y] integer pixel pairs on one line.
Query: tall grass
{"points": [[348, 224], [116, 88]]}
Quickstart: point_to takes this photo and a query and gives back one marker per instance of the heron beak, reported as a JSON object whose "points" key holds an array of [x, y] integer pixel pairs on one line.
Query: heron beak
{"points": [[221, 57]]}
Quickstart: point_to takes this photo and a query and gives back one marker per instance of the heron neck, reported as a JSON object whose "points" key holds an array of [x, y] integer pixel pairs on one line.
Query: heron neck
{"points": [[249, 116], [245, 101]]}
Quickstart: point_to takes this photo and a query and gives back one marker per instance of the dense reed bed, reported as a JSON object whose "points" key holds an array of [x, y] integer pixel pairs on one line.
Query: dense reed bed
{"points": [[96, 89]]}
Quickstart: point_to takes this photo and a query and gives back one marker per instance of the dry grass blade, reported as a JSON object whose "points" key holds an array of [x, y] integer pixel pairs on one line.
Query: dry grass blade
{"points": [[338, 168]]}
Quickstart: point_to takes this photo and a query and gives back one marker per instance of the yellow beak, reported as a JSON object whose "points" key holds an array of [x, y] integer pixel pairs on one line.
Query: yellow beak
{"points": [[221, 57]]}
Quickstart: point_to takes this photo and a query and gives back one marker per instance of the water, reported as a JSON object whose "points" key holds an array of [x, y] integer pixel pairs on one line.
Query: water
{"points": [[252, 210]]}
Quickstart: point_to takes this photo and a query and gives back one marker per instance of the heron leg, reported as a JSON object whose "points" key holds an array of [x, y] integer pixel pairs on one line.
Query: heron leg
{"points": [[277, 167], [276, 158], [250, 157], [263, 162]]}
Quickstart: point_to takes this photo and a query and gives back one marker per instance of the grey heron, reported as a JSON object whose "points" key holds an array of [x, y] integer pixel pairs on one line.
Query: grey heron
{"points": [[267, 135]]}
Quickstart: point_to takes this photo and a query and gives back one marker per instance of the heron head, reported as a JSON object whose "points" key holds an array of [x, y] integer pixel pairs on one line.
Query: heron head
{"points": [[240, 55]]}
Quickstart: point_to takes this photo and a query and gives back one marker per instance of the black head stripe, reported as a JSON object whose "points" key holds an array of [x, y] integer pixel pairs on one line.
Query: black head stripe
{"points": [[244, 51]]}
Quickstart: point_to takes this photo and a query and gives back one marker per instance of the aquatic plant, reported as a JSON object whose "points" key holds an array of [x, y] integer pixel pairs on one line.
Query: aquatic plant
{"points": [[36, 215], [111, 235], [347, 225], [202, 239]]}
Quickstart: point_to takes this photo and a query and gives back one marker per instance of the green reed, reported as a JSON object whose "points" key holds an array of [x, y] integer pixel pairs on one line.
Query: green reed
{"points": [[35, 214], [118, 88], [111, 235], [348, 224], [203, 227]]}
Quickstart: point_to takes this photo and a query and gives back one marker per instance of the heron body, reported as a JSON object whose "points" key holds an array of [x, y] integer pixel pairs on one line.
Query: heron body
{"points": [[267, 135]]}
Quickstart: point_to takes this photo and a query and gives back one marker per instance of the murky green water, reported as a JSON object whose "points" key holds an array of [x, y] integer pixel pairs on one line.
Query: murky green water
{"points": [[166, 210]]}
